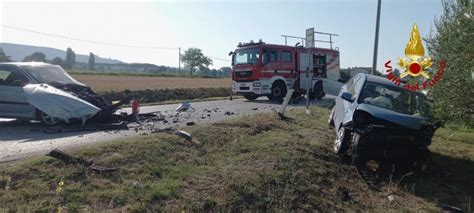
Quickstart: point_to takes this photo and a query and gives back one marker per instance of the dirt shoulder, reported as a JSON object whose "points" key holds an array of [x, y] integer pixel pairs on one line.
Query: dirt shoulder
{"points": [[249, 163]]}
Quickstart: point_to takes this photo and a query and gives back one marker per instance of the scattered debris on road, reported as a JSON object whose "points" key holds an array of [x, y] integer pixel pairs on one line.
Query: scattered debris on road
{"points": [[229, 113], [391, 198], [449, 208], [184, 135], [69, 159], [185, 106]]}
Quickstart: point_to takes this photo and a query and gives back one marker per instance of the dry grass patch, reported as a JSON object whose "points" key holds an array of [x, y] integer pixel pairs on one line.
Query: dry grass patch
{"points": [[119, 83]]}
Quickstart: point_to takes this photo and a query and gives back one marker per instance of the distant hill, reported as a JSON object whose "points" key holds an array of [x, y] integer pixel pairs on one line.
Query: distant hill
{"points": [[18, 51]]}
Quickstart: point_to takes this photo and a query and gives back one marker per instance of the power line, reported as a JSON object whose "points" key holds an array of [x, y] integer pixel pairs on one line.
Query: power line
{"points": [[221, 59], [83, 40], [98, 42]]}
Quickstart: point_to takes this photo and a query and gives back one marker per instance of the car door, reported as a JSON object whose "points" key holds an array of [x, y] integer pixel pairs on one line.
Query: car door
{"points": [[13, 102], [355, 92], [344, 109], [339, 104]]}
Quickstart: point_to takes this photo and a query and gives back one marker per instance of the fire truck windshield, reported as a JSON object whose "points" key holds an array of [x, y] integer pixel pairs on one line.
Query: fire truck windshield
{"points": [[246, 56]]}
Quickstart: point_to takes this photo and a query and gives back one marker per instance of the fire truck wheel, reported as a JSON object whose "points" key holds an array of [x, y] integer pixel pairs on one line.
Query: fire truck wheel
{"points": [[278, 91], [319, 91], [250, 97]]}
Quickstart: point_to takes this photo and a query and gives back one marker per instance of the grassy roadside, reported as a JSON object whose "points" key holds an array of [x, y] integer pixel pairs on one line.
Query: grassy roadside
{"points": [[250, 163]]}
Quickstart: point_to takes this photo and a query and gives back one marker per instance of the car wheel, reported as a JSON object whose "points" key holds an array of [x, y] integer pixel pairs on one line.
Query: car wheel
{"points": [[362, 163], [278, 91], [341, 142], [331, 118], [251, 97], [319, 91], [48, 120]]}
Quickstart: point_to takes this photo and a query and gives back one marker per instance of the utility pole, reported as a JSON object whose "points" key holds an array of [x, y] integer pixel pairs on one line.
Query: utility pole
{"points": [[376, 44], [179, 59]]}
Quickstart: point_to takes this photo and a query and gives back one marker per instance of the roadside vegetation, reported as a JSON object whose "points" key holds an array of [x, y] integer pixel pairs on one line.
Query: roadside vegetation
{"points": [[167, 95], [250, 163], [452, 42]]}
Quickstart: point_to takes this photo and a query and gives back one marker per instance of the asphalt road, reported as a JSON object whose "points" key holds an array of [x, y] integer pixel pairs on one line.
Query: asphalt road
{"points": [[21, 140]]}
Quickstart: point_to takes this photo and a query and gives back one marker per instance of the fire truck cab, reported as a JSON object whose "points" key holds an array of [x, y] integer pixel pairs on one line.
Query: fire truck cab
{"points": [[260, 69]]}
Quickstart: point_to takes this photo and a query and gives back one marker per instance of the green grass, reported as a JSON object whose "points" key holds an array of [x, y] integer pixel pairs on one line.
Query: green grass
{"points": [[252, 163]]}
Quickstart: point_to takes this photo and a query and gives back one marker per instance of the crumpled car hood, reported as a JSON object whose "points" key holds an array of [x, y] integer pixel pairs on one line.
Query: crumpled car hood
{"points": [[409, 121], [59, 104]]}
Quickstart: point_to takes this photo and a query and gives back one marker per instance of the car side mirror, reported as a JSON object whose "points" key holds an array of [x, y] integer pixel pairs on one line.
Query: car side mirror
{"points": [[347, 96]]}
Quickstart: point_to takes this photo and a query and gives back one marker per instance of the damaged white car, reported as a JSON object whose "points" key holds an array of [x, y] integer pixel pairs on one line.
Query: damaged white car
{"points": [[45, 92]]}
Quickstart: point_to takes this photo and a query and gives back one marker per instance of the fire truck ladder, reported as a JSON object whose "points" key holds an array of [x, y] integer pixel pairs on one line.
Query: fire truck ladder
{"points": [[315, 32]]}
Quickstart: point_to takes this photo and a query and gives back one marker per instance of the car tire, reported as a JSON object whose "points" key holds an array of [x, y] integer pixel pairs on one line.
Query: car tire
{"points": [[341, 143], [251, 96], [46, 119], [331, 118], [318, 91], [278, 91], [361, 159]]}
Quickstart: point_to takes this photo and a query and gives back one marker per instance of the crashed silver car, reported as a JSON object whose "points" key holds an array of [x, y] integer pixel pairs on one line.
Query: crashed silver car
{"points": [[45, 92], [378, 120]]}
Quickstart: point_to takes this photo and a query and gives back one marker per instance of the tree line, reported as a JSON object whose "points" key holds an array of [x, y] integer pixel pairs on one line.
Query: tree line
{"points": [[193, 60]]}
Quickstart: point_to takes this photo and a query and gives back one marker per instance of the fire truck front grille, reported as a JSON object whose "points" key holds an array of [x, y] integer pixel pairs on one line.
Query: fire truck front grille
{"points": [[243, 74]]}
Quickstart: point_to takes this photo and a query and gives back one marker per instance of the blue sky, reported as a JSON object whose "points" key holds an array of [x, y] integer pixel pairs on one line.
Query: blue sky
{"points": [[217, 26]]}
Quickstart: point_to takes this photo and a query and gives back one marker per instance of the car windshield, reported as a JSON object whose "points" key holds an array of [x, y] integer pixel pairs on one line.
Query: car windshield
{"points": [[394, 98], [50, 74], [246, 56]]}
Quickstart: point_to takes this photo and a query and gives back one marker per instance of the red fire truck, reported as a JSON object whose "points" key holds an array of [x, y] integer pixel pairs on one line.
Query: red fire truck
{"points": [[260, 69]]}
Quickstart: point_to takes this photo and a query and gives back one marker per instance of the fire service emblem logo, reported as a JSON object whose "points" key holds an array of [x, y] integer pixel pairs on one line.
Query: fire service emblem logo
{"points": [[416, 67]]}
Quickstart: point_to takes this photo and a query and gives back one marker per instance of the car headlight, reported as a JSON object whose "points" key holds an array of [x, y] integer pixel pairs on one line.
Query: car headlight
{"points": [[256, 84]]}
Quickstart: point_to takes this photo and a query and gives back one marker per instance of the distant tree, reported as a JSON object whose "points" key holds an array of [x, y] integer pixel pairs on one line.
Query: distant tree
{"points": [[162, 69], [91, 61], [194, 58], [73, 59], [453, 42], [4, 57], [70, 58], [36, 56], [57, 61], [205, 72], [226, 71]]}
